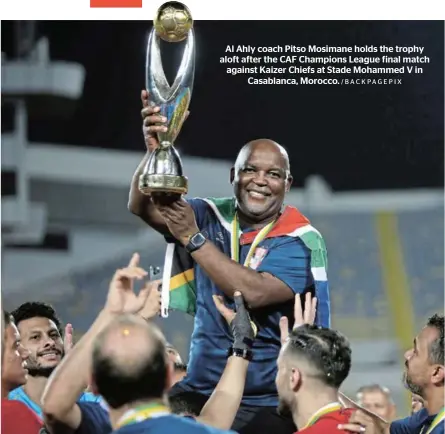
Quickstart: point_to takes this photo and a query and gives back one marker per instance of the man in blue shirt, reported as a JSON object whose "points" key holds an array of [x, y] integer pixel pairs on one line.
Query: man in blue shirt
{"points": [[131, 370], [41, 334], [270, 262], [424, 375]]}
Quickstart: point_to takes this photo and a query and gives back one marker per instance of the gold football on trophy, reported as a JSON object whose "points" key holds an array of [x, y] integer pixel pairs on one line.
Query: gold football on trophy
{"points": [[173, 22]]}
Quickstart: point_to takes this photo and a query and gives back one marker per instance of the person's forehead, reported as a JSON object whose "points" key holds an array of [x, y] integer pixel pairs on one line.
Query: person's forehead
{"points": [[426, 337], [264, 153], [36, 324], [12, 332], [374, 395]]}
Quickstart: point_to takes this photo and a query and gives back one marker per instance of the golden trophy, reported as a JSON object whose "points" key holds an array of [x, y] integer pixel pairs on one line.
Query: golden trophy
{"points": [[163, 172]]}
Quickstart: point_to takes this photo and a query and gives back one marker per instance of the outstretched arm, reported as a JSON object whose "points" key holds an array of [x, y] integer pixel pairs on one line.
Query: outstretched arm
{"points": [[221, 408], [141, 204], [70, 378], [138, 203]]}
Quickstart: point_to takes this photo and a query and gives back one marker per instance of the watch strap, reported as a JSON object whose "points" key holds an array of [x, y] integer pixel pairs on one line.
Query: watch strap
{"points": [[193, 245], [245, 353]]}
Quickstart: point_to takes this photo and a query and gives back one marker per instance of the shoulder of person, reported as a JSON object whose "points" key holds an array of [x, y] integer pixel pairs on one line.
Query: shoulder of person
{"points": [[89, 397], [16, 393], [410, 423]]}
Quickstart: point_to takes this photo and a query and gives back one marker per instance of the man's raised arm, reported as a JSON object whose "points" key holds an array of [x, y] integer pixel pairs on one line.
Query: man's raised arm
{"points": [[138, 203], [61, 412], [142, 205]]}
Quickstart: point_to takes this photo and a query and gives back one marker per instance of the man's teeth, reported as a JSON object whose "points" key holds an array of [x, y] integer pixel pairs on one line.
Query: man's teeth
{"points": [[49, 354], [256, 194]]}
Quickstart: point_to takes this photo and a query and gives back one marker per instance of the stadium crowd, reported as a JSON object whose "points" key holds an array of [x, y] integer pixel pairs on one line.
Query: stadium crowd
{"points": [[263, 355]]}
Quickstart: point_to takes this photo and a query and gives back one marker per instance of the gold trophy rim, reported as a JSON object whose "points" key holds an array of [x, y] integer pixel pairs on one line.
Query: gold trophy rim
{"points": [[150, 183]]}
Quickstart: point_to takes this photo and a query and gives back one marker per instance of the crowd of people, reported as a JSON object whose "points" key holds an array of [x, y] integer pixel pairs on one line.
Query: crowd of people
{"points": [[263, 355]]}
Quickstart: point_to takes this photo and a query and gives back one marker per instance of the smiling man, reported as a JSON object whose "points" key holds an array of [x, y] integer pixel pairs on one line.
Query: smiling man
{"points": [[16, 417], [41, 334], [250, 242]]}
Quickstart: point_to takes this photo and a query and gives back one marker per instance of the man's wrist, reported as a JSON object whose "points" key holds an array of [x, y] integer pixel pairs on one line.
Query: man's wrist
{"points": [[107, 314], [185, 240], [245, 353], [195, 241]]}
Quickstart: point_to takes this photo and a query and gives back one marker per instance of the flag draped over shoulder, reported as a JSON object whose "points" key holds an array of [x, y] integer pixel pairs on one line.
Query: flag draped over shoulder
{"points": [[178, 282]]}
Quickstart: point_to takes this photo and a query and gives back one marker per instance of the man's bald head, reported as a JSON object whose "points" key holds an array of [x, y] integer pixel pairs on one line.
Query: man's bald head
{"points": [[264, 145], [130, 362]]}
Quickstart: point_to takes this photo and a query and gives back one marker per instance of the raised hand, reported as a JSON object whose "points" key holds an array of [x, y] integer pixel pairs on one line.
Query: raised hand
{"points": [[121, 296], [243, 329], [153, 122], [152, 306], [362, 420], [306, 317], [68, 340]]}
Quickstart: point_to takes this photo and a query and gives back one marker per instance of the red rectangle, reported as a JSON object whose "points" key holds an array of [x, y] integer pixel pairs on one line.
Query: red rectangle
{"points": [[115, 3]]}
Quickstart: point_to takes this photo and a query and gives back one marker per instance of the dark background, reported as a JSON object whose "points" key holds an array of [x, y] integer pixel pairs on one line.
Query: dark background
{"points": [[357, 137]]}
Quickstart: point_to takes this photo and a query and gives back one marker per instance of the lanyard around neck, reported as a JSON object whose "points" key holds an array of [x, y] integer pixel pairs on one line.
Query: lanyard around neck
{"points": [[334, 406], [236, 233], [439, 418], [142, 413]]}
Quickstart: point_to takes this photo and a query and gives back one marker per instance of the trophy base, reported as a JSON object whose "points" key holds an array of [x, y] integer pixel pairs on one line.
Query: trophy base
{"points": [[154, 183]]}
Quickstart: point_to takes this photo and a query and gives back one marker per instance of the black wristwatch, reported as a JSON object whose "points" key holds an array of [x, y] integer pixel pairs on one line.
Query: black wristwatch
{"points": [[245, 353], [195, 242]]}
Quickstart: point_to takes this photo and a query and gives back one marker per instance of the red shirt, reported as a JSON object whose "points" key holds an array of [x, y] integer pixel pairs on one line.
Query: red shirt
{"points": [[328, 423], [18, 418]]}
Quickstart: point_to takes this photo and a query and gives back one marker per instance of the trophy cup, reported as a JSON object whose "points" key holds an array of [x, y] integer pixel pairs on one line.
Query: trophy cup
{"points": [[163, 172]]}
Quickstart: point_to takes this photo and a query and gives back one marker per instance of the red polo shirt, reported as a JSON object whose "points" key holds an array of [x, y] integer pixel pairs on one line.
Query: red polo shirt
{"points": [[328, 423], [18, 418]]}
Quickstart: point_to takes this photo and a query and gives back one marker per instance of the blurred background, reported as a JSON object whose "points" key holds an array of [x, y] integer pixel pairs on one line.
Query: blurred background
{"points": [[367, 163]]}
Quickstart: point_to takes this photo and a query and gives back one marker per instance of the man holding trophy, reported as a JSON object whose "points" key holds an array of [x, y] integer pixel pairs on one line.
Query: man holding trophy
{"points": [[250, 243]]}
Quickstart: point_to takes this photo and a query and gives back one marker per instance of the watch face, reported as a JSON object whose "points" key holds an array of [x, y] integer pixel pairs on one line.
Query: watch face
{"points": [[198, 239]]}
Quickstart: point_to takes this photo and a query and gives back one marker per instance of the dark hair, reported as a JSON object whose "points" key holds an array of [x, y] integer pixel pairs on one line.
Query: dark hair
{"points": [[120, 385], [327, 351], [436, 350], [34, 309], [187, 403]]}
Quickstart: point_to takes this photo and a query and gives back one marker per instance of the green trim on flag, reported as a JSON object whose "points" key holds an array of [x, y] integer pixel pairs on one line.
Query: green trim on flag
{"points": [[315, 243], [183, 298]]}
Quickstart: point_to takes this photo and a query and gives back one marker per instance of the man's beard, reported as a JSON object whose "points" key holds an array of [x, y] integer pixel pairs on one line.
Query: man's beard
{"points": [[284, 408], [36, 370], [40, 371], [413, 388]]}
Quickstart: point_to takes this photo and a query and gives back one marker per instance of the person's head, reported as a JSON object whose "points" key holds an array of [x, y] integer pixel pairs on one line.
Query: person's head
{"points": [[261, 178], [187, 403], [14, 356], [41, 333], [417, 403], [424, 363], [313, 361], [179, 367], [377, 399], [130, 363]]}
